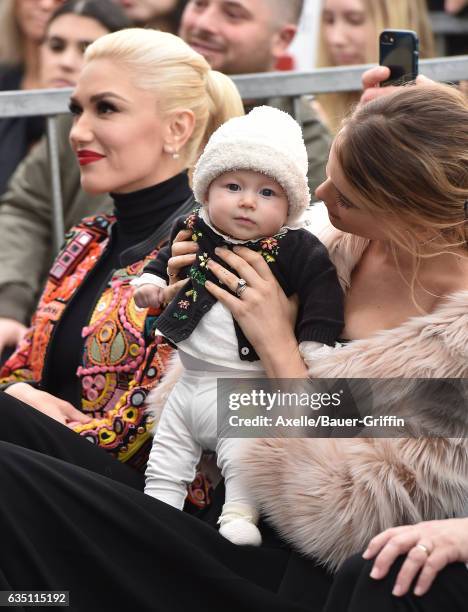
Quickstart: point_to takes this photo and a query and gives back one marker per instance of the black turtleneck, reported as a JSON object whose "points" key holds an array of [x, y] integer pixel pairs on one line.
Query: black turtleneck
{"points": [[138, 216]]}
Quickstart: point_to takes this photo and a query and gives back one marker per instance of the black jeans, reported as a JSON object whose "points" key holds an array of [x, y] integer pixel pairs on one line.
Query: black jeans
{"points": [[73, 518], [354, 591]]}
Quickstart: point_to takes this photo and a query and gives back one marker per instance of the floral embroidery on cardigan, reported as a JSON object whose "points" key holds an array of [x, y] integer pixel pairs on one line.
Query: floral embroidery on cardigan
{"points": [[270, 248]]}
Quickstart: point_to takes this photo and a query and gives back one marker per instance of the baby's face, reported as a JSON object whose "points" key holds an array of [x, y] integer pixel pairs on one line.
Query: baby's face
{"points": [[247, 205]]}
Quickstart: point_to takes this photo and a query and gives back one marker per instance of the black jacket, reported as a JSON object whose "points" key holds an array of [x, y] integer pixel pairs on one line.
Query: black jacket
{"points": [[17, 134], [299, 262]]}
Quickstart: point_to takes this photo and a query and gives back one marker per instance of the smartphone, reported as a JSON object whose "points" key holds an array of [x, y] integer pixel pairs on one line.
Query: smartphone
{"points": [[399, 51]]}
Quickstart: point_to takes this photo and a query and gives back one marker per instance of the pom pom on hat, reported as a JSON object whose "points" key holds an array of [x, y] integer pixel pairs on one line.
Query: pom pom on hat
{"points": [[266, 140]]}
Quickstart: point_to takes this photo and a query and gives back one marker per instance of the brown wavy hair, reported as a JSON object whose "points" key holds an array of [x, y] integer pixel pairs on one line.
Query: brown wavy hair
{"points": [[406, 154]]}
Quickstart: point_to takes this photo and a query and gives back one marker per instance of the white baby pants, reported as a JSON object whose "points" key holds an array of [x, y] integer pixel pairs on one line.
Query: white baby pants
{"points": [[187, 427]]}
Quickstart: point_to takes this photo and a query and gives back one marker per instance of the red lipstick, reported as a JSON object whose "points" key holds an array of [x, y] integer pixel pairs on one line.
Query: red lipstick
{"points": [[86, 157]]}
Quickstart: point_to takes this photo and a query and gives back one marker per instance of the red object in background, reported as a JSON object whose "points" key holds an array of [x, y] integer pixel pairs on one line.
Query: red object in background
{"points": [[286, 62]]}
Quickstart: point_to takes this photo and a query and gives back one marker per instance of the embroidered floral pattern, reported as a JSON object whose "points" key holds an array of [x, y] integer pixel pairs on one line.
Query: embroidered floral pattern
{"points": [[180, 317], [197, 275], [183, 305], [269, 249], [203, 260], [190, 223], [187, 307], [191, 220], [192, 294]]}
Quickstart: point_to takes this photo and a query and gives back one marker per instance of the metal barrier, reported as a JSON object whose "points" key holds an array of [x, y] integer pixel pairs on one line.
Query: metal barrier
{"points": [[444, 25], [50, 103]]}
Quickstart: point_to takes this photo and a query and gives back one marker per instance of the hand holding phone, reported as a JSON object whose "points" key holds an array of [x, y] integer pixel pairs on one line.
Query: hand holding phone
{"points": [[399, 51]]}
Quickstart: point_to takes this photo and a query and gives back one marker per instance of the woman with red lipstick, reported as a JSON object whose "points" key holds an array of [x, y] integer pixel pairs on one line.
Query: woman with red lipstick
{"points": [[144, 106], [70, 29]]}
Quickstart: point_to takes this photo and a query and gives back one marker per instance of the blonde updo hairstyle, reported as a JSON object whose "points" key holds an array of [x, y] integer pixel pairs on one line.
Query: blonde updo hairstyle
{"points": [[179, 77], [406, 155]]}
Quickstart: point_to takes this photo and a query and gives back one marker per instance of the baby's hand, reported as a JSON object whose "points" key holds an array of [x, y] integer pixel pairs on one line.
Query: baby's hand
{"points": [[149, 296]]}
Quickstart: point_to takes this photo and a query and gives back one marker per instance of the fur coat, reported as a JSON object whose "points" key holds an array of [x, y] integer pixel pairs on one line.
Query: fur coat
{"points": [[329, 497]]}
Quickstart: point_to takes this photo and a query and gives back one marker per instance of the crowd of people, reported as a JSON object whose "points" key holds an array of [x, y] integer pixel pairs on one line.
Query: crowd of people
{"points": [[118, 341]]}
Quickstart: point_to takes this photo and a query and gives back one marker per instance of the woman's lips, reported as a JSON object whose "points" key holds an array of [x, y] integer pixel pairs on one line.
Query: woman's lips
{"points": [[59, 83], [347, 59], [88, 157], [331, 214]]}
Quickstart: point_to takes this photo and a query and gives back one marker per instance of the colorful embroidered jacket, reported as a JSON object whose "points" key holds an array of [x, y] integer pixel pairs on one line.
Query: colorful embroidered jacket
{"points": [[117, 368]]}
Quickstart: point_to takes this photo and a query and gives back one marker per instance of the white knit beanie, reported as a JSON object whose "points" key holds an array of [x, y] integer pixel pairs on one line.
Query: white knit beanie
{"points": [[266, 140]]}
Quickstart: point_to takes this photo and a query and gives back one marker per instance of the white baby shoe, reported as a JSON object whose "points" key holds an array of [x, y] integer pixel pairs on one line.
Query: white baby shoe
{"points": [[238, 524]]}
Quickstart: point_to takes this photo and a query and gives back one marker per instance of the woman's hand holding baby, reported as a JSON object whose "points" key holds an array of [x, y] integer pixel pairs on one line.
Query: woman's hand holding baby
{"points": [[263, 311], [184, 253]]}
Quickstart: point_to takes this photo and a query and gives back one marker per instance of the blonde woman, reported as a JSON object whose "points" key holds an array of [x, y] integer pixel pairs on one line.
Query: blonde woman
{"points": [[349, 34], [143, 108]]}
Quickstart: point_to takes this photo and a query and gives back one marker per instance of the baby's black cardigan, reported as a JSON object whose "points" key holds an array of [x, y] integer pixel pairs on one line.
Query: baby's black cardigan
{"points": [[299, 261]]}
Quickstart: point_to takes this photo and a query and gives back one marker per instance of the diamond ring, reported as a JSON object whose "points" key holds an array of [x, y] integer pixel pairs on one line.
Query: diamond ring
{"points": [[241, 287]]}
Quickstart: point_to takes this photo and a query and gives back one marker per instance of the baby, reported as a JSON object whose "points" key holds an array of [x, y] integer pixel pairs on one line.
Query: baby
{"points": [[251, 182]]}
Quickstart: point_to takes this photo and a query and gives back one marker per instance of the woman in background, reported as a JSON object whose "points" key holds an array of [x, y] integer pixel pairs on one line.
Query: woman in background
{"points": [[349, 34], [22, 27], [71, 29]]}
